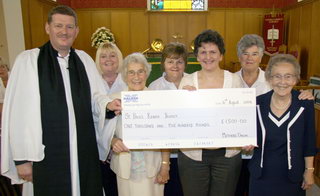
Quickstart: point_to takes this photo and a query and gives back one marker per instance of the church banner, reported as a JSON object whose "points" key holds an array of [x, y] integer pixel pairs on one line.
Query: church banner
{"points": [[273, 32]]}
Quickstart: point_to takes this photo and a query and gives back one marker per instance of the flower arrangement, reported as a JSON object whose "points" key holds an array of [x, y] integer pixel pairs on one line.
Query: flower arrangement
{"points": [[101, 36]]}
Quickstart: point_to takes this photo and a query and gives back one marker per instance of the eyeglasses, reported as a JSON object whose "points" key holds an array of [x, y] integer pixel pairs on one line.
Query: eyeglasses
{"points": [[140, 72], [286, 77]]}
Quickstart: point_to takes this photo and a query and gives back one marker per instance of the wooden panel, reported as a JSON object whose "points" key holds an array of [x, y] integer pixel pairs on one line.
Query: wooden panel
{"points": [[37, 24], [196, 23], [26, 23], [45, 10], [234, 31], [304, 37], [83, 41], [100, 19], [139, 31], [314, 60], [216, 20], [253, 22], [158, 26], [34, 14], [121, 29], [294, 25], [177, 26]]}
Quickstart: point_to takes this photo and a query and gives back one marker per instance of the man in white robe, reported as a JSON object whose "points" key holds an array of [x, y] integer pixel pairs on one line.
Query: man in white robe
{"points": [[22, 124]]}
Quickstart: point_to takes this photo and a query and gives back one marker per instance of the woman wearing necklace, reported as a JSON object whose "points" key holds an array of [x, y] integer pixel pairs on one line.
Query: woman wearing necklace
{"points": [[250, 50], [282, 164]]}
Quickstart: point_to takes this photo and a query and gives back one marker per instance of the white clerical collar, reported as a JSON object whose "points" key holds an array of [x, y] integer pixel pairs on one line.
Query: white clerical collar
{"points": [[66, 57]]}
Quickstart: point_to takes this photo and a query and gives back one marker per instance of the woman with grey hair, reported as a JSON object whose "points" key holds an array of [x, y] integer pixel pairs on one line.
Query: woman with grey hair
{"points": [[282, 164], [139, 172], [250, 50]]}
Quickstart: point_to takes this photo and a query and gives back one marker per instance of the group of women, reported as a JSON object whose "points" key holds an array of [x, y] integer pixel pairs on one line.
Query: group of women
{"points": [[282, 163]]}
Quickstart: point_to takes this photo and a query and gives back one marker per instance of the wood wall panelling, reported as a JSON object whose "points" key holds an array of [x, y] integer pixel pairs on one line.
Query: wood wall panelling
{"points": [[304, 37], [216, 20], [314, 53], [158, 27], [83, 41], [294, 25], [196, 23], [34, 13], [139, 31], [100, 18], [120, 25], [37, 24], [26, 23], [253, 21], [177, 25], [234, 31]]}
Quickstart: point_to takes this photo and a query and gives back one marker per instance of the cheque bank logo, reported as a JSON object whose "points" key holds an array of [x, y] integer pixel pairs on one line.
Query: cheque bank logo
{"points": [[130, 98]]}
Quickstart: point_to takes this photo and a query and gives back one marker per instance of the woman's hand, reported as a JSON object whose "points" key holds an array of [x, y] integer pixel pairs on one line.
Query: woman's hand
{"points": [[118, 146], [305, 95], [308, 179], [25, 171], [188, 87], [163, 175], [248, 148]]}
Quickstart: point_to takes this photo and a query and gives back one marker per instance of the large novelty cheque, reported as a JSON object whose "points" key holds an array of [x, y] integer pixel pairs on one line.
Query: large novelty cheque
{"points": [[205, 118]]}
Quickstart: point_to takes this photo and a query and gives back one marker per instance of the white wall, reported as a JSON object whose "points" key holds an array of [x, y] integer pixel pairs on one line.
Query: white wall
{"points": [[13, 26]]}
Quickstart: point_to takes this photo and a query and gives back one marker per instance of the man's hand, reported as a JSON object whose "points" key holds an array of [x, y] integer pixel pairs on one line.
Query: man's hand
{"points": [[25, 171], [115, 106]]}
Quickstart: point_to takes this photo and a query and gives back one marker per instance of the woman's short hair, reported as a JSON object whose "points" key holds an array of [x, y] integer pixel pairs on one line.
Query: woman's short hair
{"points": [[282, 58], [248, 41], [136, 57], [209, 36], [64, 10], [174, 50], [108, 47]]}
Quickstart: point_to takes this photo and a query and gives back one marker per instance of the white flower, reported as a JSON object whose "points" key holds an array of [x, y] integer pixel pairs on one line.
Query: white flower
{"points": [[100, 36]]}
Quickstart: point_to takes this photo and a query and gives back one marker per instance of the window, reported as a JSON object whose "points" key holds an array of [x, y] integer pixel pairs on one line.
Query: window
{"points": [[177, 5]]}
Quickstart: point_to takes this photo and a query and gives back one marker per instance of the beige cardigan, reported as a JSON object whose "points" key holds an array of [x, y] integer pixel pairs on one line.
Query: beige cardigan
{"points": [[121, 162], [230, 81]]}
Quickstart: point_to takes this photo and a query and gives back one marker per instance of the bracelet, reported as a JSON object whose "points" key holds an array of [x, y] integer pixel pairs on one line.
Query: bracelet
{"points": [[310, 168], [165, 162]]}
